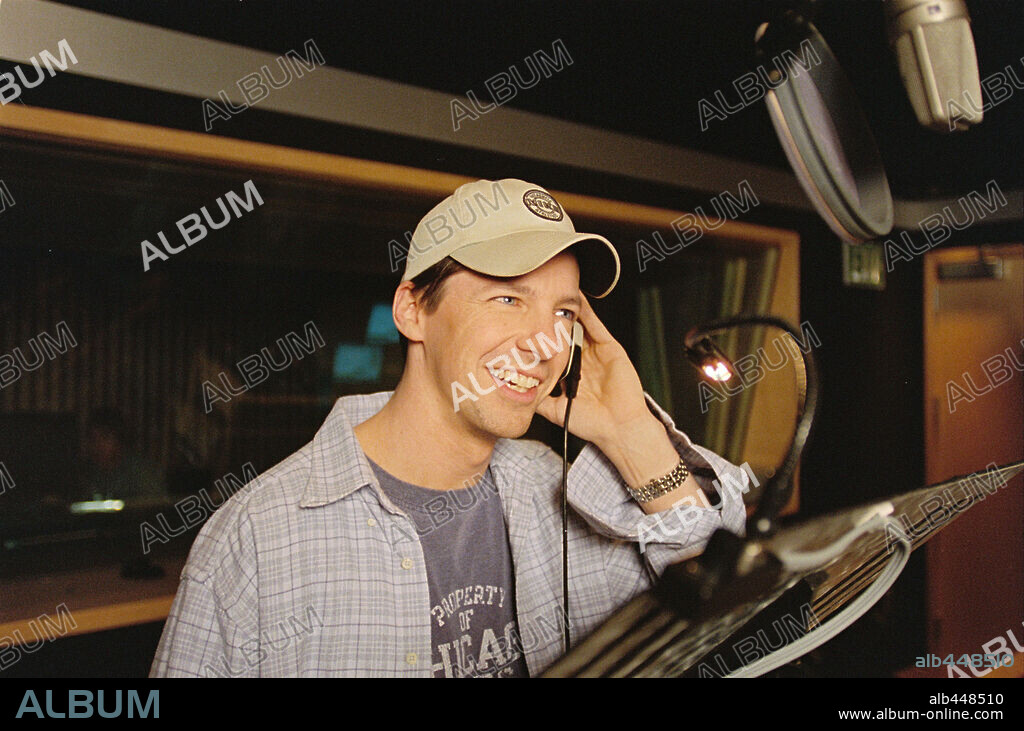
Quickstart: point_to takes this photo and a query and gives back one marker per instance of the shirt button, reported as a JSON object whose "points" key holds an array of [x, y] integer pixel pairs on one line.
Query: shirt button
{"points": [[410, 658], [406, 563], [371, 522]]}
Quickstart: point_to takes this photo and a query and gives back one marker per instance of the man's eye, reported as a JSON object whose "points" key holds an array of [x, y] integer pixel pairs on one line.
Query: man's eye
{"points": [[568, 315], [511, 299]]}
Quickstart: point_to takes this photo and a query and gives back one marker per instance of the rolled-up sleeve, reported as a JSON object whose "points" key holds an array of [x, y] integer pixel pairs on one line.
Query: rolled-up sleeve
{"points": [[598, 492]]}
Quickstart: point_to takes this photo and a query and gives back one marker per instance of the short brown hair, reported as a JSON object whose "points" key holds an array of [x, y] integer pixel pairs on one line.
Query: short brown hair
{"points": [[430, 282]]}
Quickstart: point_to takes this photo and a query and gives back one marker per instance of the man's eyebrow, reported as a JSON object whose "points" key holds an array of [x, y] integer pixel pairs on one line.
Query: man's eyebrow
{"points": [[573, 299]]}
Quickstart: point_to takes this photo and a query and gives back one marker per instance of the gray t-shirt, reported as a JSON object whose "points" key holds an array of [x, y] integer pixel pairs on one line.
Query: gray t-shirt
{"points": [[469, 569]]}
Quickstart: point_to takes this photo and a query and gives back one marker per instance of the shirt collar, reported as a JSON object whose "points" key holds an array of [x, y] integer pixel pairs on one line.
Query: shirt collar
{"points": [[339, 465]]}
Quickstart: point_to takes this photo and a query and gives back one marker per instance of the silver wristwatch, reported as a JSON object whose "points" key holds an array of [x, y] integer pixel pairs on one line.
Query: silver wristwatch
{"points": [[661, 485]]}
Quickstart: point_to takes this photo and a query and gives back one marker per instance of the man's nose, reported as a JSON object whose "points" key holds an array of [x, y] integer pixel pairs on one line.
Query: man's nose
{"points": [[542, 337]]}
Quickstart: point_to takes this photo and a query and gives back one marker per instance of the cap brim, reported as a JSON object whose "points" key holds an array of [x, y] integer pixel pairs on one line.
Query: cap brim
{"points": [[518, 253]]}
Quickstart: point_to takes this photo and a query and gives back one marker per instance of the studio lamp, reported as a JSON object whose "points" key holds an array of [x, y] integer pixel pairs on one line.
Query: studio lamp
{"points": [[715, 366], [711, 581], [710, 361]]}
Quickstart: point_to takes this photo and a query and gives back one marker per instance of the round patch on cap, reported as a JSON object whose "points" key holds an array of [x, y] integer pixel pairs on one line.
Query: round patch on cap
{"points": [[543, 205]]}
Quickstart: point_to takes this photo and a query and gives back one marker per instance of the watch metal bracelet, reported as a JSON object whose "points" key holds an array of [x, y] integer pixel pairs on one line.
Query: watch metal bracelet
{"points": [[660, 485]]}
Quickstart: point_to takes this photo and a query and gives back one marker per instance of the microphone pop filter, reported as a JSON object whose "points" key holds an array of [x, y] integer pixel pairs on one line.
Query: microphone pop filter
{"points": [[822, 129]]}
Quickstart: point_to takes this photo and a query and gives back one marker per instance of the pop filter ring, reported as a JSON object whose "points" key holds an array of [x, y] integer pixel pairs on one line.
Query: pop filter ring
{"points": [[866, 211]]}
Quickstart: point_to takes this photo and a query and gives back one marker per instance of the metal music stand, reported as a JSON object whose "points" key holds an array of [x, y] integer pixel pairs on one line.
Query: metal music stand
{"points": [[833, 567]]}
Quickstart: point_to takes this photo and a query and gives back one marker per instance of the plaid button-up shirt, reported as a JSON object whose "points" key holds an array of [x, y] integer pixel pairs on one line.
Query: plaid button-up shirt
{"points": [[311, 571]]}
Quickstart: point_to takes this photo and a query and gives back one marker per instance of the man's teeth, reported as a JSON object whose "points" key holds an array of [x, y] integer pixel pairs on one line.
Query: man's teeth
{"points": [[516, 381]]}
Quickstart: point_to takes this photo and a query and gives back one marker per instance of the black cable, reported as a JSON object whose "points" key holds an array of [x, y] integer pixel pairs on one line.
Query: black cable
{"points": [[571, 388], [565, 523]]}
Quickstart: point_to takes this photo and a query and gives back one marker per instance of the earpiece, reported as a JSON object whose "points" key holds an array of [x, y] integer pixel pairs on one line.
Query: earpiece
{"points": [[576, 351]]}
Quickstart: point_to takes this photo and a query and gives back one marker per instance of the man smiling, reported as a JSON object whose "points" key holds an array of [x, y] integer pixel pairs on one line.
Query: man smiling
{"points": [[382, 527]]}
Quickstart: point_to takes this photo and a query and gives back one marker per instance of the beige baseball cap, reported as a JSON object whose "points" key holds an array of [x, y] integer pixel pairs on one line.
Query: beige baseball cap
{"points": [[505, 228]]}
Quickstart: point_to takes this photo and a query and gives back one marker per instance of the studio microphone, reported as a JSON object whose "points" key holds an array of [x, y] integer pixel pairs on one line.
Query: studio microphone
{"points": [[934, 47]]}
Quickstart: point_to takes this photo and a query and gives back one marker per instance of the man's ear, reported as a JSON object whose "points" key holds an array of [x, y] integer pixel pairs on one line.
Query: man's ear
{"points": [[407, 312]]}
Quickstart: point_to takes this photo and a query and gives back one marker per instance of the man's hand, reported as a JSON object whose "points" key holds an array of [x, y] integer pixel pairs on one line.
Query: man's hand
{"points": [[610, 394], [610, 411]]}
